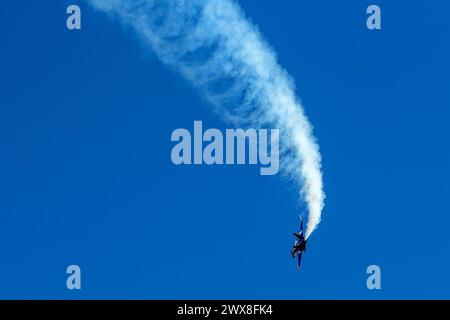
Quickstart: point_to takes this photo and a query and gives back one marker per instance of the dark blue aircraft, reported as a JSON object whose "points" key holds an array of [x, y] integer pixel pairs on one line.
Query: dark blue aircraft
{"points": [[300, 244]]}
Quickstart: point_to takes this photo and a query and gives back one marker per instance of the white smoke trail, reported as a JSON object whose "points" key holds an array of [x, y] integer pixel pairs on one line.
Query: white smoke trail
{"points": [[212, 44]]}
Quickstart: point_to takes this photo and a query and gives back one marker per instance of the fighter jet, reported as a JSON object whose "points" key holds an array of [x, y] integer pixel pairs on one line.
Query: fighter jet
{"points": [[299, 245]]}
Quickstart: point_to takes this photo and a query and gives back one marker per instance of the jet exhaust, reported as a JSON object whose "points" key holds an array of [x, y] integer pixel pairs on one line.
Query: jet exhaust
{"points": [[214, 46]]}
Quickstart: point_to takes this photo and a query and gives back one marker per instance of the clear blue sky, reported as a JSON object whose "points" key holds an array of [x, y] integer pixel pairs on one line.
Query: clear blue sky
{"points": [[86, 176]]}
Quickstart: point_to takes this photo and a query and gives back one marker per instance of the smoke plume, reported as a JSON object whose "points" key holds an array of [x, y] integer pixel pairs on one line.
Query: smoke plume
{"points": [[214, 46]]}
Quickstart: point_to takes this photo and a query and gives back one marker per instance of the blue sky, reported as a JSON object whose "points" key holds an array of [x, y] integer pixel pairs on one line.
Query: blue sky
{"points": [[86, 176]]}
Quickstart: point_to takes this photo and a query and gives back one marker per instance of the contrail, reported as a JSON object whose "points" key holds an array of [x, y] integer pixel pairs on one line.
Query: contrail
{"points": [[213, 45]]}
